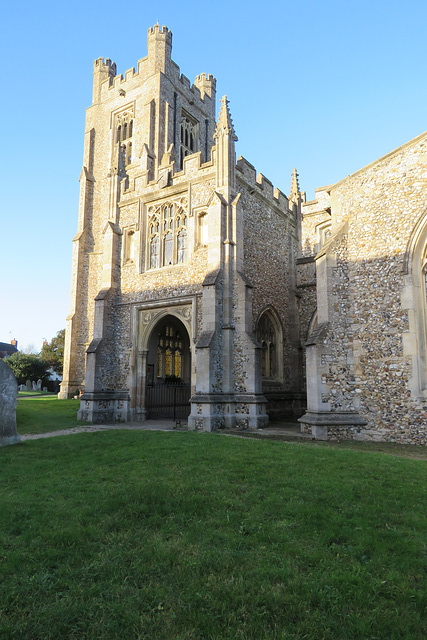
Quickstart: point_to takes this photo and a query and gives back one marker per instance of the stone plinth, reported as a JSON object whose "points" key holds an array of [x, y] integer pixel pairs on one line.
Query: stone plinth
{"points": [[330, 424], [102, 407]]}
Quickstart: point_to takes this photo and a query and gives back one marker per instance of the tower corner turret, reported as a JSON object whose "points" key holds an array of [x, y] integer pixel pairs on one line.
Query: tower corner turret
{"points": [[101, 72]]}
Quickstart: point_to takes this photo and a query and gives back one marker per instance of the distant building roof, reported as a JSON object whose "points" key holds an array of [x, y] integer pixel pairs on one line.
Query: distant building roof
{"points": [[6, 349]]}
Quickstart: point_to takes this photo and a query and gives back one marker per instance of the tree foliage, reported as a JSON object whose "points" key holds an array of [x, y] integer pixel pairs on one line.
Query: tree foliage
{"points": [[28, 366], [53, 352]]}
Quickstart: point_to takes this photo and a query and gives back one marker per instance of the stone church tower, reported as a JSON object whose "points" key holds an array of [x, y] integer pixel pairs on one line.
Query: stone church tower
{"points": [[184, 285]]}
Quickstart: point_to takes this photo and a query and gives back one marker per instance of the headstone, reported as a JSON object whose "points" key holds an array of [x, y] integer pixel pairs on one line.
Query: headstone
{"points": [[45, 389], [21, 387], [34, 386], [28, 385], [8, 402], [39, 385]]}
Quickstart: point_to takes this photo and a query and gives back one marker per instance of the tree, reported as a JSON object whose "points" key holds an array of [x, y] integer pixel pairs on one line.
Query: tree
{"points": [[28, 366], [53, 352]]}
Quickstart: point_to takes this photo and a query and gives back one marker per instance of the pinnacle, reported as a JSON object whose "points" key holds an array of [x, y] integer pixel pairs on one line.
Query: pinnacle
{"points": [[294, 185], [225, 123]]}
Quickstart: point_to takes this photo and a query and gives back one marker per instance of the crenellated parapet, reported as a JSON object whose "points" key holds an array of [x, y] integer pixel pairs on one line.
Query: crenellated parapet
{"points": [[160, 32], [258, 184], [206, 84], [159, 46], [102, 71]]}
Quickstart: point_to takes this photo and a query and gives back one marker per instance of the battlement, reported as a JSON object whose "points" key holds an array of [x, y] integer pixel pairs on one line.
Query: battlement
{"points": [[185, 81], [159, 44], [205, 84], [160, 32], [203, 78], [102, 71], [258, 183], [108, 65]]}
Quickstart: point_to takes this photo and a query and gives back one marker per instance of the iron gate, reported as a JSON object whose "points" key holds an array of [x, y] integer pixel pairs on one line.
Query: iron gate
{"points": [[170, 401]]}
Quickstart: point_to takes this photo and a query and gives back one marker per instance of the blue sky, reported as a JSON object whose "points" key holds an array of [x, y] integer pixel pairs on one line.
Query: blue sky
{"points": [[326, 87]]}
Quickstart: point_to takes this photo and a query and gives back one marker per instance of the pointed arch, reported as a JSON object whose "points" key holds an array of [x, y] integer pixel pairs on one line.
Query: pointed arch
{"points": [[270, 336], [414, 299]]}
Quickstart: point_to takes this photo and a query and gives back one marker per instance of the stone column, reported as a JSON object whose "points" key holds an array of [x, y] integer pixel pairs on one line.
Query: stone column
{"points": [[141, 372]]}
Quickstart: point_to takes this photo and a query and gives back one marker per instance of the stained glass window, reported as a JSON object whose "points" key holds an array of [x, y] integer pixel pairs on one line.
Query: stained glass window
{"points": [[159, 362], [168, 363], [177, 364]]}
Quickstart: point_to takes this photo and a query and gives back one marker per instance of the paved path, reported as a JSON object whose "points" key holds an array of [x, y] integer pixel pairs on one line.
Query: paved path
{"points": [[148, 425], [276, 430]]}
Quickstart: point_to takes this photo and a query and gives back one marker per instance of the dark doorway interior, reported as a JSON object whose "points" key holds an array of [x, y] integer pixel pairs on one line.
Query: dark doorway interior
{"points": [[169, 371]]}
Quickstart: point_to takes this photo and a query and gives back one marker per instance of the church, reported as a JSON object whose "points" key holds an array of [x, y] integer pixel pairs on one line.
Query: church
{"points": [[201, 292]]}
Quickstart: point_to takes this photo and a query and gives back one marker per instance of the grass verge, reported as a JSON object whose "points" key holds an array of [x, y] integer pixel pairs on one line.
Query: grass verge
{"points": [[196, 536]]}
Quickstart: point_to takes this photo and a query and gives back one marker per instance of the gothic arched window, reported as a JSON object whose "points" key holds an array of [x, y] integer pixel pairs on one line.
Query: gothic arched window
{"points": [[124, 131], [189, 129], [169, 354], [269, 336], [168, 222]]}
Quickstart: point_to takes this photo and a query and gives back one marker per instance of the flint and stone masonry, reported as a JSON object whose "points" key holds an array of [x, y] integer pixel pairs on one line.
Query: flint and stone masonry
{"points": [[184, 260], [192, 272], [364, 253]]}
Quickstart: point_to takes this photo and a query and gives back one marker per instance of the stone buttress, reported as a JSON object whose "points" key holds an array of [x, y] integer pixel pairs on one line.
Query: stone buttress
{"points": [[228, 384]]}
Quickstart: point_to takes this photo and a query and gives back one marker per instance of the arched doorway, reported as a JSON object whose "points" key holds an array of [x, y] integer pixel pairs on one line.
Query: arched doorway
{"points": [[168, 375]]}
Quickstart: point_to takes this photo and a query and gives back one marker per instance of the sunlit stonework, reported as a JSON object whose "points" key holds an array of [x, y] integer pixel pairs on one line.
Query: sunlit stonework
{"points": [[201, 292]]}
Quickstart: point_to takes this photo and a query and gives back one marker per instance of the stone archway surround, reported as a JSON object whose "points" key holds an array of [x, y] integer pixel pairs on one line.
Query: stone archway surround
{"points": [[145, 317]]}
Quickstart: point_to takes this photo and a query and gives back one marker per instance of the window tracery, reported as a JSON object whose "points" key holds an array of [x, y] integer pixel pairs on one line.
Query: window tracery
{"points": [[269, 339], [124, 132], [167, 233], [189, 134]]}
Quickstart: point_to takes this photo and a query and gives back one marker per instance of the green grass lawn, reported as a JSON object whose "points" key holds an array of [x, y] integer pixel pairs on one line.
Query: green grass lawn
{"points": [[173, 536], [25, 394], [40, 415]]}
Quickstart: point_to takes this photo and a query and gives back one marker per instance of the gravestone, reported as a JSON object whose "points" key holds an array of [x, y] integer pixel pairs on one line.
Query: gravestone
{"points": [[34, 386], [28, 385], [39, 385], [45, 389], [8, 402], [22, 387]]}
